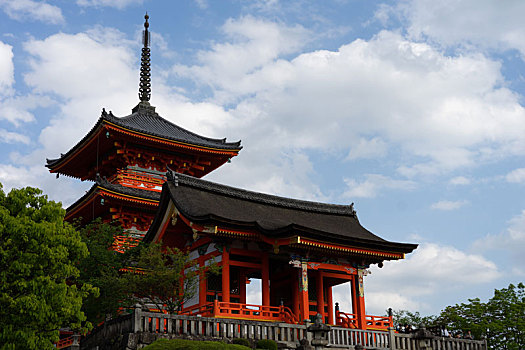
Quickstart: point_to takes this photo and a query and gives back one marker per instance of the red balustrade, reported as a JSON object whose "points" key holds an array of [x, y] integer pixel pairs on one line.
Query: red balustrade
{"points": [[347, 320], [64, 343], [242, 311]]}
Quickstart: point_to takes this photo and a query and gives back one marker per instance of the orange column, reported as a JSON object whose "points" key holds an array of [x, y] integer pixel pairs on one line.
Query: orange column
{"points": [[360, 300], [303, 292], [330, 302], [320, 294], [265, 280], [225, 275], [202, 285]]}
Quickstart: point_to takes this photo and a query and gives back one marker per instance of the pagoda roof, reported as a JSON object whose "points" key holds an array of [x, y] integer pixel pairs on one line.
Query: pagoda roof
{"points": [[211, 204], [103, 187], [144, 121]]}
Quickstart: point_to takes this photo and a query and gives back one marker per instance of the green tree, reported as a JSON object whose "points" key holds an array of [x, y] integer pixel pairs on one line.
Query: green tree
{"points": [[164, 277], [501, 320], [102, 269], [405, 317], [38, 257]]}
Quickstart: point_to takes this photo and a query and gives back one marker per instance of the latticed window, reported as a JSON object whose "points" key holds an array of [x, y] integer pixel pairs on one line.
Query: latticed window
{"points": [[214, 282]]}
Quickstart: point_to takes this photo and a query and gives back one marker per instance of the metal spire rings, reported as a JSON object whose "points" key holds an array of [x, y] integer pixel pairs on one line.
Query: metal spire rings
{"points": [[145, 69]]}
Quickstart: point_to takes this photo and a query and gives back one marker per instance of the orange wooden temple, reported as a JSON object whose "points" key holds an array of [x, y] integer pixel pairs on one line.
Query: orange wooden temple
{"points": [[146, 172], [298, 249]]}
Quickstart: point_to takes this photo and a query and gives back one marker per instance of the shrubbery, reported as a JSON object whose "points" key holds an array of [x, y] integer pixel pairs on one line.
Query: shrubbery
{"points": [[267, 344], [242, 341], [165, 344]]}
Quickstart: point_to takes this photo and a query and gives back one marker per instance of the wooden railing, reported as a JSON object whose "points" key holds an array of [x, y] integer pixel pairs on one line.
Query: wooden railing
{"points": [[243, 311], [347, 320], [345, 337], [159, 325], [226, 328], [64, 343]]}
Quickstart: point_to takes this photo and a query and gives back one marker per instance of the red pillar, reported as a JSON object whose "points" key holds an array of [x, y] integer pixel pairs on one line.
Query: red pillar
{"points": [[303, 292], [330, 302], [225, 275], [320, 294], [360, 301], [265, 280]]}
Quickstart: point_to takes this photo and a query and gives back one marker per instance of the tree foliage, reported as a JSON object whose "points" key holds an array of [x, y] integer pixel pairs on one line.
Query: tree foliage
{"points": [[38, 256], [501, 320], [102, 268], [164, 277], [414, 319], [150, 275]]}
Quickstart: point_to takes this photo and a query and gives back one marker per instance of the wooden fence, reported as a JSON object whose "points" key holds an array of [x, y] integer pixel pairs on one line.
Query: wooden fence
{"points": [[196, 327]]}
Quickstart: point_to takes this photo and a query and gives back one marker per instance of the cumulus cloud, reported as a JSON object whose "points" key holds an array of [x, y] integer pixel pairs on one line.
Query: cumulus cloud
{"points": [[511, 242], [483, 23], [516, 176], [7, 68], [364, 148], [253, 44], [441, 112], [431, 272], [18, 109], [448, 205], [32, 10], [13, 137], [373, 185], [119, 4]]}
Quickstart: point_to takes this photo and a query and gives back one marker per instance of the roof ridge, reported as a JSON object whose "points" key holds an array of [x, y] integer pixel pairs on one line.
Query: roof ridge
{"points": [[291, 203], [150, 112]]}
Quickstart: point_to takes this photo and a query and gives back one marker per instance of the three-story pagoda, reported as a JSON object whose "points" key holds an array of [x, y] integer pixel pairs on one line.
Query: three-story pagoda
{"points": [[127, 158]]}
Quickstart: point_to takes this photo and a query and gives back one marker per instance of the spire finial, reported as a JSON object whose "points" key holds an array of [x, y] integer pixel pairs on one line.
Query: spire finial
{"points": [[145, 70]]}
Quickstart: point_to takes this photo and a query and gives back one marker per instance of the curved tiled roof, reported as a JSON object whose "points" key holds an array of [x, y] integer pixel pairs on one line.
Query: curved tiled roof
{"points": [[126, 191], [145, 120], [214, 204]]}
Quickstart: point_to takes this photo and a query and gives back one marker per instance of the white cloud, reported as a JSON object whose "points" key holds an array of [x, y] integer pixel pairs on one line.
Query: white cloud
{"points": [[16, 109], [516, 176], [374, 185], [511, 242], [254, 43], [365, 148], [32, 10], [13, 137], [7, 68], [484, 23], [459, 180], [442, 112], [119, 4], [427, 274], [448, 205]]}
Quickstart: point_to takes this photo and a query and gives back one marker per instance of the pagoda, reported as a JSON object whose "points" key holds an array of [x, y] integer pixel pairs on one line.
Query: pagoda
{"points": [[127, 159], [298, 249]]}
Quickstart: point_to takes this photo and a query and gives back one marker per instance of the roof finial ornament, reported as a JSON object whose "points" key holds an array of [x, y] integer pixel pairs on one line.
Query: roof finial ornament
{"points": [[145, 70]]}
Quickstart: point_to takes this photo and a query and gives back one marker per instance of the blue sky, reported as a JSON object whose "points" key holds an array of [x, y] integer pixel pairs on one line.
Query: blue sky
{"points": [[411, 109]]}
